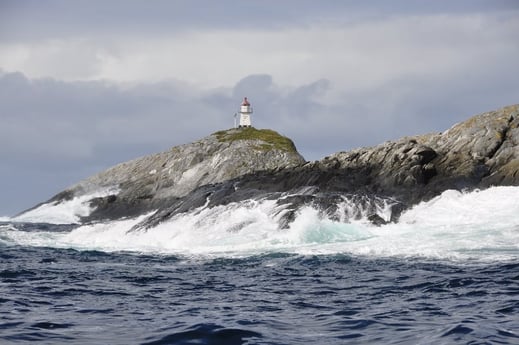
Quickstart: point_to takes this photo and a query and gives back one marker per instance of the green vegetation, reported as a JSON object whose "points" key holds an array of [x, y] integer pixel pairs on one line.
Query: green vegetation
{"points": [[271, 139]]}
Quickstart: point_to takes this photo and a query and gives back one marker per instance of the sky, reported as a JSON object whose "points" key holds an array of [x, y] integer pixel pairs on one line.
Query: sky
{"points": [[87, 84]]}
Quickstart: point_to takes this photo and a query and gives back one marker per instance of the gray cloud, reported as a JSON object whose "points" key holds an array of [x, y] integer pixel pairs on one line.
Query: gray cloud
{"points": [[34, 19]]}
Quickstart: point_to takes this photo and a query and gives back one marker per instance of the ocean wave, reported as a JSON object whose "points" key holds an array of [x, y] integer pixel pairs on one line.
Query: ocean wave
{"points": [[63, 212], [453, 226]]}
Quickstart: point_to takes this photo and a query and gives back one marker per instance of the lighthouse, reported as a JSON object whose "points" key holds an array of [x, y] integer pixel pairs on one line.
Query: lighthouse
{"points": [[245, 113]]}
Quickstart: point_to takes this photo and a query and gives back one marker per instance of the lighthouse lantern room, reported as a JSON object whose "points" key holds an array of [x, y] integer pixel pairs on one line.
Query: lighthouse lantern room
{"points": [[245, 113]]}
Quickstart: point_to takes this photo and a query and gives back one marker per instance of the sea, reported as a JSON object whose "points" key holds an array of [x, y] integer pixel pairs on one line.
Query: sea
{"points": [[446, 273]]}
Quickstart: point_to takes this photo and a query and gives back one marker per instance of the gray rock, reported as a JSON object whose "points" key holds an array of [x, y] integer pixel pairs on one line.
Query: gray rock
{"points": [[236, 165], [478, 153], [152, 181]]}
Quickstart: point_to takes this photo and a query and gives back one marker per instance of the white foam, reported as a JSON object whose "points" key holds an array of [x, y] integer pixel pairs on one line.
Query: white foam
{"points": [[454, 226], [480, 225], [63, 212]]}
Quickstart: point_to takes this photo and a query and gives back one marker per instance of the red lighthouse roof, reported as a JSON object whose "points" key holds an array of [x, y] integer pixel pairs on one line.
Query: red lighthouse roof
{"points": [[245, 101]]}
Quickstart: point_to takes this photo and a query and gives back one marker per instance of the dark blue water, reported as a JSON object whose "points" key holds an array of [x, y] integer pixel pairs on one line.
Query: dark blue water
{"points": [[58, 296]]}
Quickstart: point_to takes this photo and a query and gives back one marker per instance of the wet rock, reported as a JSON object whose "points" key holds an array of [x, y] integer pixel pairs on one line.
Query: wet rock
{"points": [[376, 220]]}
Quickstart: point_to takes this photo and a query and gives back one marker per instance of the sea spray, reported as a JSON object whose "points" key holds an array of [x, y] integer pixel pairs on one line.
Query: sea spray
{"points": [[64, 211], [480, 225]]}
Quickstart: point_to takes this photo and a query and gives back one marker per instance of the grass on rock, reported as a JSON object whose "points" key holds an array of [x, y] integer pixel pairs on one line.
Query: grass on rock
{"points": [[271, 139]]}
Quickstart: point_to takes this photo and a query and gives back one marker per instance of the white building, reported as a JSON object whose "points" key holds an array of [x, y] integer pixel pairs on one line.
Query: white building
{"points": [[245, 113]]}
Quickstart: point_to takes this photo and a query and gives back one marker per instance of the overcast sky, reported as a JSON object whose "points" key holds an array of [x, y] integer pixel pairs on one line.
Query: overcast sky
{"points": [[87, 84]]}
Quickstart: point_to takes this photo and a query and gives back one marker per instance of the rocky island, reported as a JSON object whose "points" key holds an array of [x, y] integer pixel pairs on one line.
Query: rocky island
{"points": [[247, 163]]}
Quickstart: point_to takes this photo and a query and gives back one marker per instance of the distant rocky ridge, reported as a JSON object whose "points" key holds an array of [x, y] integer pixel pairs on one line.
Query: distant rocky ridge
{"points": [[240, 164]]}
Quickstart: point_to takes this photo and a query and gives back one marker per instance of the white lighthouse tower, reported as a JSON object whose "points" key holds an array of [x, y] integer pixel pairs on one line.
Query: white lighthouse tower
{"points": [[245, 113]]}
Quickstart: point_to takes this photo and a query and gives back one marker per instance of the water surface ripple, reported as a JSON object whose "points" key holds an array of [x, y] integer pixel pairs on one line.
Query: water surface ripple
{"points": [[53, 296]]}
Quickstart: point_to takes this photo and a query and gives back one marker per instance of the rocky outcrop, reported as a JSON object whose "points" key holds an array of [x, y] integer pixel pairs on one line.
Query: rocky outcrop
{"points": [[241, 164], [482, 151], [151, 182], [478, 153]]}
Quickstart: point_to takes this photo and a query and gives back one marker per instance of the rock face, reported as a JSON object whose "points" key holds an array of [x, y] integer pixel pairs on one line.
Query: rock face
{"points": [[478, 153], [240, 164], [150, 182], [483, 150]]}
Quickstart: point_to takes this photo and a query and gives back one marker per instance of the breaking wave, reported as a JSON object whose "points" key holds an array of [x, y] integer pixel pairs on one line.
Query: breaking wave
{"points": [[480, 225], [63, 212]]}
